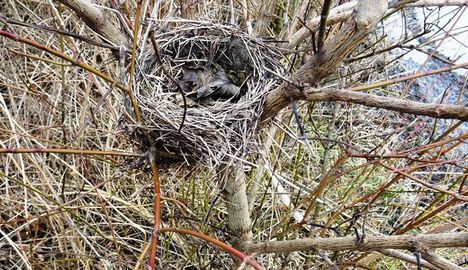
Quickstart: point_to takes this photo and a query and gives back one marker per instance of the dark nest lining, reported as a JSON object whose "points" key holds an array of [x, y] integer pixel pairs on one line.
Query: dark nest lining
{"points": [[205, 57]]}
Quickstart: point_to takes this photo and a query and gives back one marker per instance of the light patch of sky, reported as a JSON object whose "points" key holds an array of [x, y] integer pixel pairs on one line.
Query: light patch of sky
{"points": [[454, 47]]}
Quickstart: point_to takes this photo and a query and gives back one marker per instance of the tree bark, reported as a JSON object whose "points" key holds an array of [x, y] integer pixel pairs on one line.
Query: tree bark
{"points": [[342, 12], [237, 206], [400, 105], [441, 240], [99, 20], [366, 16]]}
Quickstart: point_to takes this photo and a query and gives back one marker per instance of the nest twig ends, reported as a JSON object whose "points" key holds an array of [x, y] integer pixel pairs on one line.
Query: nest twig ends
{"points": [[225, 75]]}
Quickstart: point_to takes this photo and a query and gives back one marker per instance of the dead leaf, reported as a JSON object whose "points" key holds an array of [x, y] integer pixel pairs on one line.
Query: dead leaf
{"points": [[219, 87]]}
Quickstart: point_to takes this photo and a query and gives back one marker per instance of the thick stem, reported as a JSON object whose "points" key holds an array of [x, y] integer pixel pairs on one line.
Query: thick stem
{"points": [[100, 20], [441, 240], [366, 16], [235, 196], [400, 105]]}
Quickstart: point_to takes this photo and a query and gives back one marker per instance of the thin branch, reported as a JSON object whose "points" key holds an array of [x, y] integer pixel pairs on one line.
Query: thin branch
{"points": [[323, 23], [407, 258], [217, 243], [437, 3], [66, 151], [157, 210], [428, 185], [410, 77], [62, 32], [168, 74], [136, 27], [78, 63], [439, 261]]}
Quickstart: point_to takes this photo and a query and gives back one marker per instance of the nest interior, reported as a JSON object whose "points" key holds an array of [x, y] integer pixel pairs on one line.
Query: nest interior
{"points": [[224, 74]]}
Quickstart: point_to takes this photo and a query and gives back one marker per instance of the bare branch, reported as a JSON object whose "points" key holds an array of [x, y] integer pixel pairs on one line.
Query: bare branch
{"points": [[323, 23], [99, 20], [237, 206], [447, 111], [337, 14], [439, 261], [437, 3], [59, 31], [344, 11], [370, 243], [367, 14], [407, 258]]}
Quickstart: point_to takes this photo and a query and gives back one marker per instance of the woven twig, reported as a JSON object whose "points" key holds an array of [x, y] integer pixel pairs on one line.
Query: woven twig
{"points": [[216, 131]]}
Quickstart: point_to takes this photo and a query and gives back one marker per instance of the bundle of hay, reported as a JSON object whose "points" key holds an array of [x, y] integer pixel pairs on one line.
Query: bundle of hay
{"points": [[224, 74]]}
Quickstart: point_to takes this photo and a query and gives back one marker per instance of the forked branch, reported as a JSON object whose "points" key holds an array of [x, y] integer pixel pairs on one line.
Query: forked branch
{"points": [[366, 16]]}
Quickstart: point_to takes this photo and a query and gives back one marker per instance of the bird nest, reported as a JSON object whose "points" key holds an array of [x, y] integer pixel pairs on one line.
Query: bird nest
{"points": [[224, 75]]}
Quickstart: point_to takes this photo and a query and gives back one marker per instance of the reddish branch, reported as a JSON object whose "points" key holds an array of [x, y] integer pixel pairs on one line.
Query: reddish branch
{"points": [[244, 258], [428, 185], [415, 223], [157, 211]]}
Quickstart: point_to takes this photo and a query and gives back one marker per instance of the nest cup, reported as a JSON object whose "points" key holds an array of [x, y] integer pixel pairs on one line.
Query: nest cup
{"points": [[201, 57]]}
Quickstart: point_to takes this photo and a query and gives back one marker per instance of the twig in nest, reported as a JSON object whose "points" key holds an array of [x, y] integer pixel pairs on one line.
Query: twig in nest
{"points": [[298, 119], [179, 87]]}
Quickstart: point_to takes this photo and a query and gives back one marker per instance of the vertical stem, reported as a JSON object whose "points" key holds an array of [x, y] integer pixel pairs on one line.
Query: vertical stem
{"points": [[132, 63], [237, 205], [326, 162], [323, 23], [157, 211]]}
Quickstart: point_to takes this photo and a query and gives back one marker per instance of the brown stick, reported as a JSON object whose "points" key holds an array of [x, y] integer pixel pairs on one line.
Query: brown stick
{"points": [[366, 16], [157, 211], [99, 20], [407, 258], [441, 240], [405, 106], [168, 74], [237, 206], [439, 261]]}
